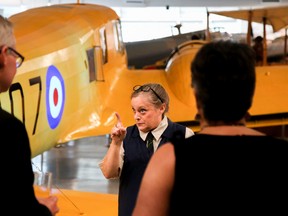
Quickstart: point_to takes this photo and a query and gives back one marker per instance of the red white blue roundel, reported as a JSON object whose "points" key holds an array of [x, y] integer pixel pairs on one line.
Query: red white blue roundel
{"points": [[55, 96]]}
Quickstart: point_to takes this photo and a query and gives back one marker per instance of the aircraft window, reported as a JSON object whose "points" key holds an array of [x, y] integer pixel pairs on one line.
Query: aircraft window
{"points": [[91, 64], [119, 44], [103, 42], [95, 58]]}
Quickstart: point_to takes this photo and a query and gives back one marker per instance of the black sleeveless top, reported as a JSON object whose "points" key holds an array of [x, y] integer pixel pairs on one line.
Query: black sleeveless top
{"points": [[230, 175], [136, 158]]}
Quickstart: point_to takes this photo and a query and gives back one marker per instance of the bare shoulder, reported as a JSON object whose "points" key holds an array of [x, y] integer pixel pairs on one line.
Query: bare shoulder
{"points": [[164, 152], [163, 162], [157, 183]]}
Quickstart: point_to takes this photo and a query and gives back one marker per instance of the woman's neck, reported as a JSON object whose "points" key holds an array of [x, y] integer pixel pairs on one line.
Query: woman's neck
{"points": [[228, 129], [205, 124]]}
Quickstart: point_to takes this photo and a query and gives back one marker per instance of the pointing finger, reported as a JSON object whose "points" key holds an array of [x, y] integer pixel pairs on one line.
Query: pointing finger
{"points": [[119, 122]]}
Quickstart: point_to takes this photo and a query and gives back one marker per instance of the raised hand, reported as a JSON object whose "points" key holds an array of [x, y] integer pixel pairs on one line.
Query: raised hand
{"points": [[118, 132]]}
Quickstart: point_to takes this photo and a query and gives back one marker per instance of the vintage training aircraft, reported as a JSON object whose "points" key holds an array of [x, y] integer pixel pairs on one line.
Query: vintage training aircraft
{"points": [[75, 75], [277, 17]]}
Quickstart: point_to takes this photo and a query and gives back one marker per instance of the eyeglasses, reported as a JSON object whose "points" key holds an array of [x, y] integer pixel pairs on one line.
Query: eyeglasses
{"points": [[139, 88], [17, 55]]}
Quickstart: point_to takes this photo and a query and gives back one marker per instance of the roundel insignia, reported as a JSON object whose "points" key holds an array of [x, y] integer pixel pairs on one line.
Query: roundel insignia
{"points": [[55, 96]]}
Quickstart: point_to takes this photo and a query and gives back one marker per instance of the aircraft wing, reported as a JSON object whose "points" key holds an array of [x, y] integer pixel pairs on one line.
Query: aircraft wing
{"points": [[277, 17]]}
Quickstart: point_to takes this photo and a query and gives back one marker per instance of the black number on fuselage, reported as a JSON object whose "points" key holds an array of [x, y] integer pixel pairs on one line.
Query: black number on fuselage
{"points": [[17, 87], [34, 81]]}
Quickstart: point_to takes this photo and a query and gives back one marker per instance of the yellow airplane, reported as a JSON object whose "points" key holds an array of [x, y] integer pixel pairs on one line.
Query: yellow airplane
{"points": [[75, 77]]}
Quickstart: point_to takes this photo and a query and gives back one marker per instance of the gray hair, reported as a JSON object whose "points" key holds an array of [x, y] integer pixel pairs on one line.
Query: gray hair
{"points": [[6, 32]]}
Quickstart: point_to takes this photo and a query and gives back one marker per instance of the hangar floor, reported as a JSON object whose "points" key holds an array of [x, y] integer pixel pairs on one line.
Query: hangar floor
{"points": [[74, 165]]}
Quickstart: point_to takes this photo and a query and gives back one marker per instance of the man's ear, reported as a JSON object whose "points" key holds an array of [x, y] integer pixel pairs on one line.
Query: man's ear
{"points": [[198, 104], [199, 109]]}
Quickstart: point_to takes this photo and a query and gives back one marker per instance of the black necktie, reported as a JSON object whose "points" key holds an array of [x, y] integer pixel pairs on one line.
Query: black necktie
{"points": [[149, 142]]}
